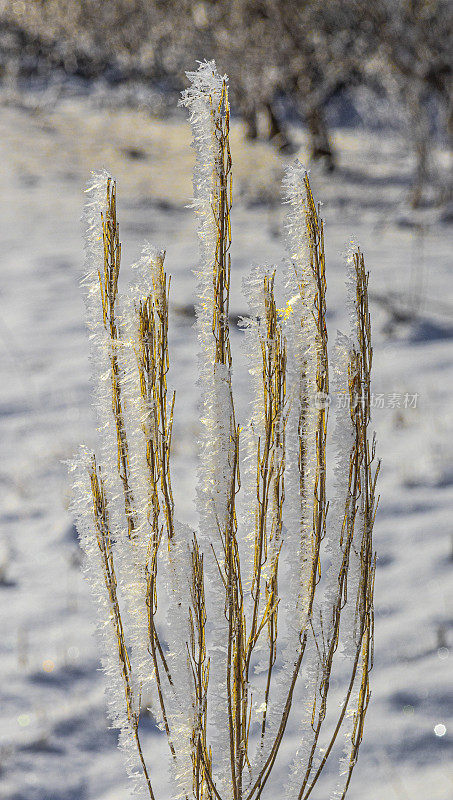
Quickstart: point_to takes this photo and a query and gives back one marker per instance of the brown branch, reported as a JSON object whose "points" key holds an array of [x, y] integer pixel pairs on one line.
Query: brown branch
{"points": [[108, 284], [104, 540]]}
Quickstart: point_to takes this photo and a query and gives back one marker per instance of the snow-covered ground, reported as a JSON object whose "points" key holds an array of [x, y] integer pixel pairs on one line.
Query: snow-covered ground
{"points": [[54, 738]]}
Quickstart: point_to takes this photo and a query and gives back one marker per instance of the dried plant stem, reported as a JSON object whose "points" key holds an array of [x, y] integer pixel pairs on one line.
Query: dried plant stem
{"points": [[361, 490], [231, 615], [202, 759], [104, 541], [153, 364], [108, 282]]}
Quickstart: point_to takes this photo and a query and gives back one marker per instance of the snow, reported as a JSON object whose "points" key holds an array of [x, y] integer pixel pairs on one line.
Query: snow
{"points": [[55, 741]]}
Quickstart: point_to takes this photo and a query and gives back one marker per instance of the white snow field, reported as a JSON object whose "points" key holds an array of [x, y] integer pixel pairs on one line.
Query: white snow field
{"points": [[55, 743]]}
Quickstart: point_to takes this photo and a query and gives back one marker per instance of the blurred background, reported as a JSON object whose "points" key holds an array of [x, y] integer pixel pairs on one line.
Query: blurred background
{"points": [[362, 93], [323, 63]]}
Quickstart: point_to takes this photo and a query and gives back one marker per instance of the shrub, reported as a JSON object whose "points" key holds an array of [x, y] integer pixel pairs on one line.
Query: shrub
{"points": [[251, 631]]}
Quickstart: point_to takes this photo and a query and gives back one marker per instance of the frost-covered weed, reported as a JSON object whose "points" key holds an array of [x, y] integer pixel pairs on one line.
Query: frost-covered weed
{"points": [[250, 626]]}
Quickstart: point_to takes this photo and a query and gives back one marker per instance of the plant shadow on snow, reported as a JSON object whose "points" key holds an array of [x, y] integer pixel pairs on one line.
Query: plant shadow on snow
{"points": [[64, 677], [95, 736], [437, 701], [429, 331], [147, 722], [72, 793], [42, 745], [7, 583], [417, 655], [361, 178], [405, 699], [411, 506], [71, 536], [423, 748], [384, 560]]}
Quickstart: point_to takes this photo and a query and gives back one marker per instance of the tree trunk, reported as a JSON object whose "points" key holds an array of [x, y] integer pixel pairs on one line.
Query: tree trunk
{"points": [[320, 145], [277, 133]]}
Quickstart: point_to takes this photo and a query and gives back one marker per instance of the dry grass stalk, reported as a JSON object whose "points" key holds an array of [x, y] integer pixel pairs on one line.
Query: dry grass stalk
{"points": [[104, 541], [153, 364], [218, 592], [108, 284]]}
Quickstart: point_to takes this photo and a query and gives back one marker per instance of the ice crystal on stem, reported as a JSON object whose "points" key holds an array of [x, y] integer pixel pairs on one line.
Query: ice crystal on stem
{"points": [[250, 624]]}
